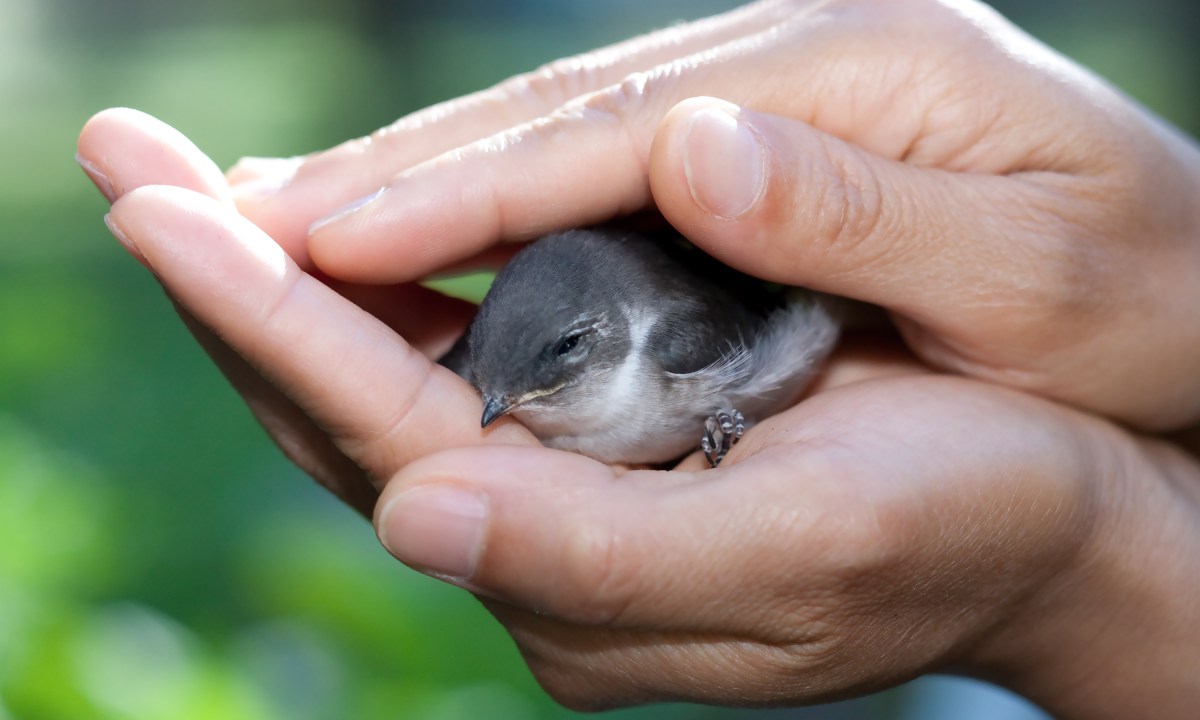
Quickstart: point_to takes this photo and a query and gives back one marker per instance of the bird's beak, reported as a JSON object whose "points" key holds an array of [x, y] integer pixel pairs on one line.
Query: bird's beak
{"points": [[494, 407]]}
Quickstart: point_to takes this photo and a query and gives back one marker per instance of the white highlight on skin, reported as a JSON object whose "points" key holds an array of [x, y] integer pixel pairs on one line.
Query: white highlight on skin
{"points": [[270, 256], [265, 251], [346, 210]]}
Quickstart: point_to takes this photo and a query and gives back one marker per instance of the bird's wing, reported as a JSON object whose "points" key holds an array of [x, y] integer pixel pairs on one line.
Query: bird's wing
{"points": [[793, 343], [732, 368], [780, 360]]}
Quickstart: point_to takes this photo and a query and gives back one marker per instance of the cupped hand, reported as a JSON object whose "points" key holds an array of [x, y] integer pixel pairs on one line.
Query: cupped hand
{"points": [[267, 321], [882, 529], [1022, 221], [893, 524], [879, 531]]}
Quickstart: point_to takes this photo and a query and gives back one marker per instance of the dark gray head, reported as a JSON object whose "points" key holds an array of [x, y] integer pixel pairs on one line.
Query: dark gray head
{"points": [[552, 321]]}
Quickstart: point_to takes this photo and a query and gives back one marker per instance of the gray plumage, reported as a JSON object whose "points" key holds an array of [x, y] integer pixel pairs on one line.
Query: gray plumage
{"points": [[621, 346]]}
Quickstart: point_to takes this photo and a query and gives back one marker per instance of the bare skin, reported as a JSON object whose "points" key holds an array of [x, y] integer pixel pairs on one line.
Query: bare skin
{"points": [[895, 523], [1006, 206]]}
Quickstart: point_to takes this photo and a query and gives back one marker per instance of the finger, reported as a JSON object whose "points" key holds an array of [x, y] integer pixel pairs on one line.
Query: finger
{"points": [[124, 149], [292, 430], [561, 534], [810, 555], [777, 198], [382, 402], [265, 171], [284, 196], [121, 149], [589, 157], [586, 161], [427, 320]]}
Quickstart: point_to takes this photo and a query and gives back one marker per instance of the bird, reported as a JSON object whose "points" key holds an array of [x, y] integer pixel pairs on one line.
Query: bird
{"points": [[636, 347]]}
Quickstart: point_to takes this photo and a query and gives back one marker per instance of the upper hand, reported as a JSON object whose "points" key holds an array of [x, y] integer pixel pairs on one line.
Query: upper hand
{"points": [[1023, 222]]}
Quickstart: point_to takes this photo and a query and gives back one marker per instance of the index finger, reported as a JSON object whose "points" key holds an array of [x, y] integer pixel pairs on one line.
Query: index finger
{"points": [[283, 197]]}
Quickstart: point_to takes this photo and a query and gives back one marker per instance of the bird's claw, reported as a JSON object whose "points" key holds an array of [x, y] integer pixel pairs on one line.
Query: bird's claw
{"points": [[722, 430]]}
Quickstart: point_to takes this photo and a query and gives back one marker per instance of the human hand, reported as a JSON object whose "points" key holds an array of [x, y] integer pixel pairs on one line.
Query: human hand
{"points": [[884, 528], [1023, 222], [124, 150]]}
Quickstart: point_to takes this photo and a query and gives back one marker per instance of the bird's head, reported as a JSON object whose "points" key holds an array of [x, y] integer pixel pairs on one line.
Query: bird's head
{"points": [[550, 326]]}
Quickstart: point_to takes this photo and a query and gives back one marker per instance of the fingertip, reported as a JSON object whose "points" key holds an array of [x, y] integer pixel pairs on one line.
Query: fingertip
{"points": [[479, 516], [768, 194], [436, 528], [709, 173], [724, 160], [126, 241], [123, 149]]}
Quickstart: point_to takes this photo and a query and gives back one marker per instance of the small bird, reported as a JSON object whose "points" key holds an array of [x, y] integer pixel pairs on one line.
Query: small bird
{"points": [[636, 348]]}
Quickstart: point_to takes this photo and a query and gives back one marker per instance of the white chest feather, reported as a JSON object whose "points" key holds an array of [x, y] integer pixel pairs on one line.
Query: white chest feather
{"points": [[637, 412], [619, 415]]}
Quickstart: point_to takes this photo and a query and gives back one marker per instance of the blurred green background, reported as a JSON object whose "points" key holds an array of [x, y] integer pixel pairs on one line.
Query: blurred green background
{"points": [[158, 557]]}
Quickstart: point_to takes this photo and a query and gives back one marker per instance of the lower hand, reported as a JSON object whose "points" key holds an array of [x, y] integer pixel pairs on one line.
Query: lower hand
{"points": [[884, 528], [1007, 207]]}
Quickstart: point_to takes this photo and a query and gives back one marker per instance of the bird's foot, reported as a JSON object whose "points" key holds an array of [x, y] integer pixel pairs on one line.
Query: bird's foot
{"points": [[722, 430]]}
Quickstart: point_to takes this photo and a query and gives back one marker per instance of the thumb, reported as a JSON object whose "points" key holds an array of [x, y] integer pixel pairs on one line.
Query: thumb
{"points": [[561, 534], [779, 199]]}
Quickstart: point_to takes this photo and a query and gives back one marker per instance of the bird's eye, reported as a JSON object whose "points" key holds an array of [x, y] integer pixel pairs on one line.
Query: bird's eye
{"points": [[568, 344]]}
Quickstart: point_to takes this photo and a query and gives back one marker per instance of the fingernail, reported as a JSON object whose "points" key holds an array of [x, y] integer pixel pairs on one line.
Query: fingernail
{"points": [[724, 162], [436, 528], [126, 242], [99, 179], [257, 178], [346, 211]]}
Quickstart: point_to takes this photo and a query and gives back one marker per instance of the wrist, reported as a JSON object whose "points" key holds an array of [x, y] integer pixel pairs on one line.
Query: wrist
{"points": [[1117, 633]]}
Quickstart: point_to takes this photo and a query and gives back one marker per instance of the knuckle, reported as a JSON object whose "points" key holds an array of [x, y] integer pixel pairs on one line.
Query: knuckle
{"points": [[547, 87], [599, 582], [622, 99], [629, 110], [849, 209], [636, 103], [386, 443], [556, 83], [559, 81]]}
